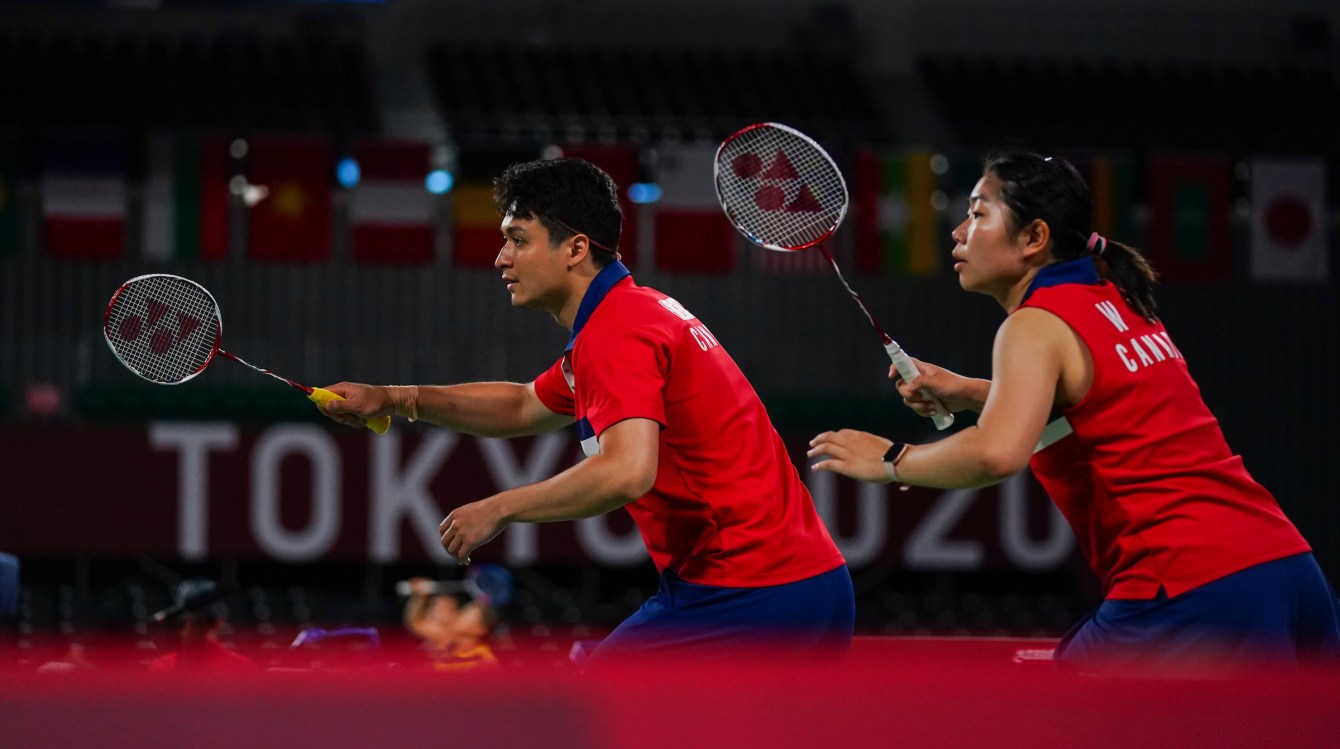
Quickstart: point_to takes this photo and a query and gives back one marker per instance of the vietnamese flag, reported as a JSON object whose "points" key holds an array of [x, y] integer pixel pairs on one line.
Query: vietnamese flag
{"points": [[292, 223]]}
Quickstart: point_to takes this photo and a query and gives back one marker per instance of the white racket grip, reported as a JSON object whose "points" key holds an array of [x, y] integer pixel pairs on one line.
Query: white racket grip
{"points": [[908, 370]]}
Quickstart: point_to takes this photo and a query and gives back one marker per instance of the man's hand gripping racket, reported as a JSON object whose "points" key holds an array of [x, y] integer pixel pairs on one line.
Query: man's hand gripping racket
{"points": [[167, 329], [783, 192]]}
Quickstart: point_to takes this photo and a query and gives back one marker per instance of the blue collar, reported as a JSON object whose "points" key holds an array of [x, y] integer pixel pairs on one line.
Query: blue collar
{"points": [[595, 293], [1081, 270]]}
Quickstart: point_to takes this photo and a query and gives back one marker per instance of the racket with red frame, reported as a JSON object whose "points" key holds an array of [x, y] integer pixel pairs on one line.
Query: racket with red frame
{"points": [[490, 582], [783, 192], [167, 329]]}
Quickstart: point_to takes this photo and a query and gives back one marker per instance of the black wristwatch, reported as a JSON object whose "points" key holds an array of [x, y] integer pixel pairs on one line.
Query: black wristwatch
{"points": [[895, 452], [891, 458]]}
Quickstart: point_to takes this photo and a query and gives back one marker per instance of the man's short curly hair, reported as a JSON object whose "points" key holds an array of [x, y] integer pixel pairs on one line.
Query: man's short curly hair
{"points": [[566, 196]]}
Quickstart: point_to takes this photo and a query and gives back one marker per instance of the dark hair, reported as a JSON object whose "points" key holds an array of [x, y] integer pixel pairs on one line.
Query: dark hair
{"points": [[1050, 189], [567, 196]]}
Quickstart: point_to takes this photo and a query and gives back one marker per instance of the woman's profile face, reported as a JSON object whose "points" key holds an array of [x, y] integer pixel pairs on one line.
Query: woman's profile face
{"points": [[986, 248]]}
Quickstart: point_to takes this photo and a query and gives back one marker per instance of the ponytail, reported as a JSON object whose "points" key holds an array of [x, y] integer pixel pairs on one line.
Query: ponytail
{"points": [[1049, 189], [1128, 270]]}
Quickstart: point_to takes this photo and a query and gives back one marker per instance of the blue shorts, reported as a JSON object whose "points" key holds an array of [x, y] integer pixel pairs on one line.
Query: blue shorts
{"points": [[1279, 613], [811, 616], [9, 586]]}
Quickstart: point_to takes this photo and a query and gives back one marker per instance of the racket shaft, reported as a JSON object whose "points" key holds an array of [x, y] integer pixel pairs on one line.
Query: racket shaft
{"points": [[908, 369], [266, 372], [405, 587], [319, 396]]}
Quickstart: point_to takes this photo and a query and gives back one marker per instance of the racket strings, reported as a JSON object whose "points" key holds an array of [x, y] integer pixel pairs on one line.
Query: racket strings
{"points": [[779, 188], [162, 328]]}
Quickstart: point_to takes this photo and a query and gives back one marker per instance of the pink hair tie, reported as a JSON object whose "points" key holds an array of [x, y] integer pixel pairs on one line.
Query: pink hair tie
{"points": [[1098, 241]]}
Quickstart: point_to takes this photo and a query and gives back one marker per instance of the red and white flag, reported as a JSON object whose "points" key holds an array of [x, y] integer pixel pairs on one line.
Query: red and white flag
{"points": [[391, 210], [83, 189], [1288, 204], [692, 233]]}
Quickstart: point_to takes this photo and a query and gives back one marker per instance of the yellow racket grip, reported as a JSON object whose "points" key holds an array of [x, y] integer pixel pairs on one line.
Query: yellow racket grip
{"points": [[322, 396]]}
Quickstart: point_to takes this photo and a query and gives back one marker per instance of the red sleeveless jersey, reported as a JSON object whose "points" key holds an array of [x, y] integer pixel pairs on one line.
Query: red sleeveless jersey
{"points": [[728, 507], [1146, 480]]}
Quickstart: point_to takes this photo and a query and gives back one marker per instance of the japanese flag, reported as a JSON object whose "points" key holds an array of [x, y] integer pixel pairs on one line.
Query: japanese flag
{"points": [[1289, 237]]}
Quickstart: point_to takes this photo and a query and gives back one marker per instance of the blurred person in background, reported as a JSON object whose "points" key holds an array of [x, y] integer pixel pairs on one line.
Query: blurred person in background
{"points": [[471, 646], [1199, 565], [197, 613], [431, 615], [457, 637], [671, 428]]}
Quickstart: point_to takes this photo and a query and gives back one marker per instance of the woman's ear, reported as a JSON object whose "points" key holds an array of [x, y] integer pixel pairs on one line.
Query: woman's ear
{"points": [[1036, 238]]}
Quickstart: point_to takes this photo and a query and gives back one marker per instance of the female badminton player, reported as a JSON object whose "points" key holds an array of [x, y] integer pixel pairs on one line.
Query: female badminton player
{"points": [[1199, 566]]}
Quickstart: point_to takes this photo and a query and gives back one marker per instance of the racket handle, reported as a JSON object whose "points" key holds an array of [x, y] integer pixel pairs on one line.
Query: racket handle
{"points": [[908, 370], [406, 588], [321, 396]]}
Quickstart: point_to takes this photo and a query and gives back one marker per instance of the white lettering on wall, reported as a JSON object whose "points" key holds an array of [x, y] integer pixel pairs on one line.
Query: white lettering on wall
{"points": [[1020, 548], [608, 547], [872, 516], [318, 447], [401, 492], [507, 473], [193, 442], [929, 546]]}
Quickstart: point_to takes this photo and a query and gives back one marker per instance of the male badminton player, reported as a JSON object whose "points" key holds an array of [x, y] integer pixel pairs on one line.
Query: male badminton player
{"points": [[672, 429]]}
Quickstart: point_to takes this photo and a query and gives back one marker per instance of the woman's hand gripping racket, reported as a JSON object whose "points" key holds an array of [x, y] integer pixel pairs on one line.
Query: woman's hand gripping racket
{"points": [[167, 329], [783, 192]]}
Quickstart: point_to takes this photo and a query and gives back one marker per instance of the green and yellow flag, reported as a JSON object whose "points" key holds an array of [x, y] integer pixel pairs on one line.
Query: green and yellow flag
{"points": [[907, 214]]}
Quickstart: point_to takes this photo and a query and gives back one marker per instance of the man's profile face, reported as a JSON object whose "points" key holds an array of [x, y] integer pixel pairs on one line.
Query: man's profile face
{"points": [[535, 271]]}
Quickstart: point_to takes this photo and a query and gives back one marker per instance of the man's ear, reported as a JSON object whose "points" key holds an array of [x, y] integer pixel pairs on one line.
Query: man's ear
{"points": [[578, 250]]}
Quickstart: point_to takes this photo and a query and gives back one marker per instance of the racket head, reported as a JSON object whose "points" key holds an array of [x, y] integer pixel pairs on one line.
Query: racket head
{"points": [[164, 328], [489, 581], [779, 188]]}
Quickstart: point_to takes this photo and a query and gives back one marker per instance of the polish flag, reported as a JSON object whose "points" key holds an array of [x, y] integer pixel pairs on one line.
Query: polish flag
{"points": [[392, 211], [692, 234], [83, 189]]}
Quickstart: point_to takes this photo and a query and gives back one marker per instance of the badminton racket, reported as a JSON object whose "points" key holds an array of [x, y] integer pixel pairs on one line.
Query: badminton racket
{"points": [[783, 192], [489, 581], [167, 329]]}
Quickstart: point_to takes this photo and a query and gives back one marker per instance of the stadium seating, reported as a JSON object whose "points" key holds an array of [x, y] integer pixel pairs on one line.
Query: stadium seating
{"points": [[230, 82], [646, 93], [1137, 105]]}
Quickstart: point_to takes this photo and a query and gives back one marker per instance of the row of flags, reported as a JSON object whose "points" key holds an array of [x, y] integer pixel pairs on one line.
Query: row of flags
{"points": [[903, 206], [907, 202]]}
